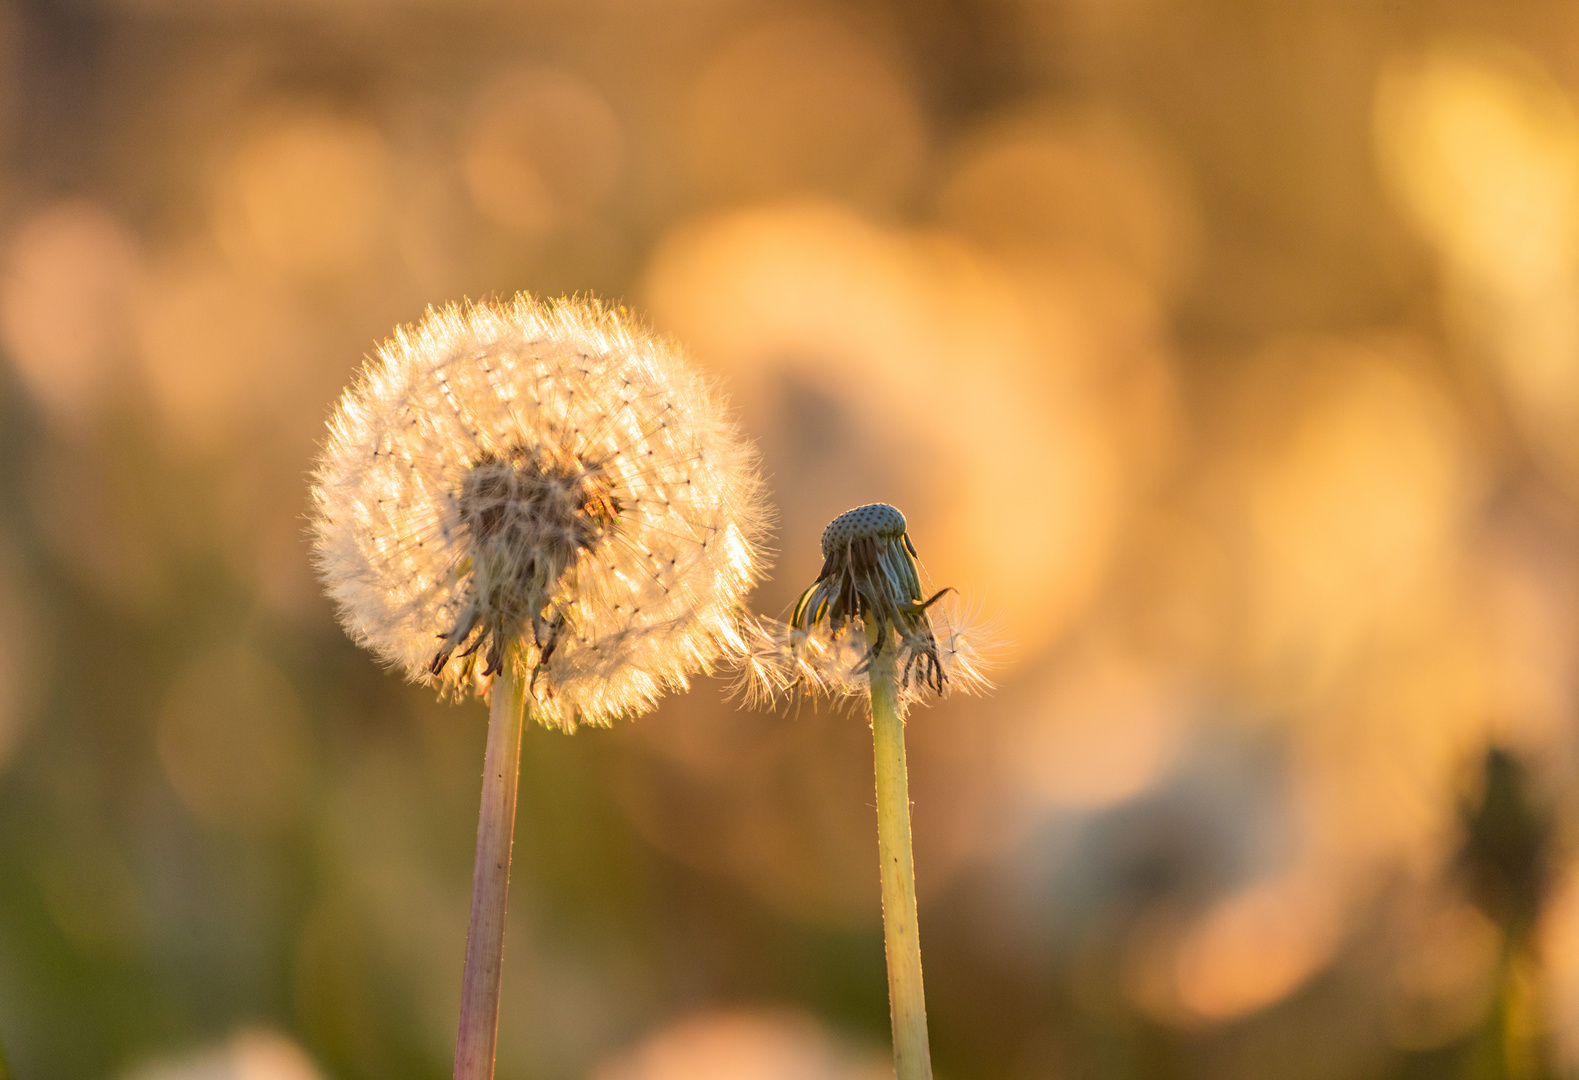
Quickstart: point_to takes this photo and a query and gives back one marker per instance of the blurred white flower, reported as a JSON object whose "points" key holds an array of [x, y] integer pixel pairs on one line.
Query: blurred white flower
{"points": [[769, 1044], [248, 1055], [544, 473]]}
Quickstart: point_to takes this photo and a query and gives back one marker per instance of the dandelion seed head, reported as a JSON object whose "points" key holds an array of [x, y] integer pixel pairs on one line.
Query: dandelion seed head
{"points": [[868, 599], [542, 481]]}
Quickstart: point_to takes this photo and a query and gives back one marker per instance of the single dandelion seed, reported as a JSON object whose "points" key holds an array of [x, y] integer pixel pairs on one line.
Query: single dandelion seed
{"points": [[540, 503], [866, 627]]}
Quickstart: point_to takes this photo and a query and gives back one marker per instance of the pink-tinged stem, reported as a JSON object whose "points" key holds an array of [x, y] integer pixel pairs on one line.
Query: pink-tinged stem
{"points": [[479, 1026]]}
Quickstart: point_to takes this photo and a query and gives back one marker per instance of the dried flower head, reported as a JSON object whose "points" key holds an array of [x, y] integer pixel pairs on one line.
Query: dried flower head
{"points": [[868, 599], [545, 475]]}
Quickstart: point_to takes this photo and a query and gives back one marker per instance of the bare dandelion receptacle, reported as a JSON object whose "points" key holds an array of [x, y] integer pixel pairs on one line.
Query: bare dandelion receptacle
{"points": [[868, 599], [865, 626], [869, 575]]}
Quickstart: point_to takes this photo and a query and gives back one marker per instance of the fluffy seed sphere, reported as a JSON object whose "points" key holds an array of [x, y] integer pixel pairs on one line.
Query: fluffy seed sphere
{"points": [[547, 476]]}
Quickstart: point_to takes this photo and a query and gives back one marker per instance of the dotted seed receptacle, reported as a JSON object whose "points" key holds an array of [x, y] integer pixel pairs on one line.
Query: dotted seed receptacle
{"points": [[873, 519]]}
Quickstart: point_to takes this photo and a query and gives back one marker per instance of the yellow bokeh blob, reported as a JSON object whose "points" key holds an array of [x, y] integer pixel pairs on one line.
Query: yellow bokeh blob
{"points": [[922, 360], [763, 1044], [305, 195], [1086, 185], [543, 150], [804, 105], [1099, 729], [1351, 481], [217, 350], [1257, 945], [1481, 148], [71, 280]]}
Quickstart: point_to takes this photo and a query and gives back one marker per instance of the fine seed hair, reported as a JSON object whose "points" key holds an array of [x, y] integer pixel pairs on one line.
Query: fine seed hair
{"points": [[546, 481]]}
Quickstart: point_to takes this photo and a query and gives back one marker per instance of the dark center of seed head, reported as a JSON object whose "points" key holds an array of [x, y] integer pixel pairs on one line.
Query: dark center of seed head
{"points": [[529, 513], [537, 506]]}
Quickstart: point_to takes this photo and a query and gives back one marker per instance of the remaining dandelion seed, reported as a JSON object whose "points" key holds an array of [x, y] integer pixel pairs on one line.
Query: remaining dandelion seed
{"points": [[864, 625], [869, 574], [540, 502], [867, 599]]}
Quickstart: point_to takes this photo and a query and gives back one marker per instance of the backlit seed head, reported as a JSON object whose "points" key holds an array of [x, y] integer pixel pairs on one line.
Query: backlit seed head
{"points": [[547, 476]]}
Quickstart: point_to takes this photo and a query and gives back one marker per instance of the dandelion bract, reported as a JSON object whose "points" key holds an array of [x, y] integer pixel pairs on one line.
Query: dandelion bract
{"points": [[547, 475], [869, 597]]}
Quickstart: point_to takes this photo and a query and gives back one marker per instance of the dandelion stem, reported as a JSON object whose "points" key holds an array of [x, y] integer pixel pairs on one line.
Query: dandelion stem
{"points": [[479, 1023], [906, 1002]]}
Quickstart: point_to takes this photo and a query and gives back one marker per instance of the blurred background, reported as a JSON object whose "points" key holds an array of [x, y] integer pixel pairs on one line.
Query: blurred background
{"points": [[1226, 352]]}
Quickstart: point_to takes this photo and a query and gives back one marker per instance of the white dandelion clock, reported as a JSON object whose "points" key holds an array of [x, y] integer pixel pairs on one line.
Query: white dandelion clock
{"points": [[547, 475], [540, 502]]}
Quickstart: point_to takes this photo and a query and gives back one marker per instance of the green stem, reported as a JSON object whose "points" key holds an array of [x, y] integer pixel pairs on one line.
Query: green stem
{"points": [[1519, 1020], [479, 1023], [906, 1002]]}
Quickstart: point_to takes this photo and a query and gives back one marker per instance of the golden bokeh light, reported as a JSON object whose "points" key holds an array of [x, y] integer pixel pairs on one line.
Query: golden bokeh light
{"points": [[1481, 147], [800, 105], [1375, 768], [1228, 359], [543, 150], [70, 285], [1527, 620], [250, 1054], [219, 352], [1075, 185], [1257, 945], [306, 195], [1355, 481], [916, 343], [1100, 728], [743, 1045]]}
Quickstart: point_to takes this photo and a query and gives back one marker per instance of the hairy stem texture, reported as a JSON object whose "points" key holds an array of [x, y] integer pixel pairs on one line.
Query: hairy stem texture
{"points": [[479, 1023], [906, 1002]]}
